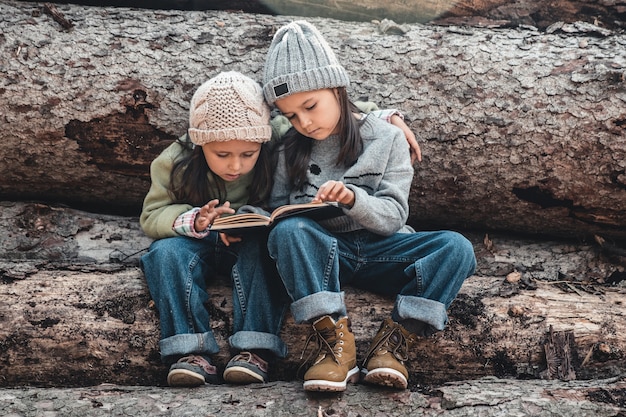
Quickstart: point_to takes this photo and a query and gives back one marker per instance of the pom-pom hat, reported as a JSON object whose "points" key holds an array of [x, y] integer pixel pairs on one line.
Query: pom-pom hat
{"points": [[229, 106], [299, 59]]}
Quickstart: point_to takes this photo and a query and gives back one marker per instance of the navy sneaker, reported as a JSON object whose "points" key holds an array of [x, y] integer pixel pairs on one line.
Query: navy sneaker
{"points": [[246, 368], [191, 371]]}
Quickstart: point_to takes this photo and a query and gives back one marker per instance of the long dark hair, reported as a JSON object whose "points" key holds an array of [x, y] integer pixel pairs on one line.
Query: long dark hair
{"points": [[190, 183], [298, 147]]}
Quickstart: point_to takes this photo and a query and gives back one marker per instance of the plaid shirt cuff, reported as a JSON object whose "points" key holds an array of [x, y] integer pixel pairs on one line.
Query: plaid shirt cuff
{"points": [[184, 225]]}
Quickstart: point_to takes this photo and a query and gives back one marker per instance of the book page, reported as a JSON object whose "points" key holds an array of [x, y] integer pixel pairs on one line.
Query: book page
{"points": [[317, 211], [293, 209], [240, 220]]}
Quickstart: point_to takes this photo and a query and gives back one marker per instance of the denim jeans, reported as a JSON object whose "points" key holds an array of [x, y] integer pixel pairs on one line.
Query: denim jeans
{"points": [[177, 271], [259, 299], [423, 270]]}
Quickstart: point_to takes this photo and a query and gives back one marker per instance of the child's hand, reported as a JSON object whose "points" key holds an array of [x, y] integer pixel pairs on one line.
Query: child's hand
{"points": [[414, 147], [209, 212], [228, 239], [335, 191]]}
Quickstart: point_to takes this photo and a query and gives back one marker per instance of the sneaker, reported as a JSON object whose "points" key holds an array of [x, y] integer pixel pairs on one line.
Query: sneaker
{"points": [[191, 371], [385, 359], [246, 368], [335, 365]]}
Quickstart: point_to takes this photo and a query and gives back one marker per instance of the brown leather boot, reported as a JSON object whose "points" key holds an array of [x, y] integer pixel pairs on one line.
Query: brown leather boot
{"points": [[385, 359], [336, 359]]}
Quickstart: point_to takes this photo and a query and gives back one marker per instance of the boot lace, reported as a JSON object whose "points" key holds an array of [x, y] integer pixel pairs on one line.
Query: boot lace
{"points": [[392, 340], [327, 342]]}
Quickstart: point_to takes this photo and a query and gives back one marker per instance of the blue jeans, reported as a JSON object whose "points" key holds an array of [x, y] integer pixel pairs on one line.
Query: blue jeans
{"points": [[259, 299], [423, 270], [178, 271]]}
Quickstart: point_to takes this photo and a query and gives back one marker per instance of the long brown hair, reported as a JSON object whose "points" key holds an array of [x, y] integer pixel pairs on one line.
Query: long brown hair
{"points": [[190, 178], [298, 147]]}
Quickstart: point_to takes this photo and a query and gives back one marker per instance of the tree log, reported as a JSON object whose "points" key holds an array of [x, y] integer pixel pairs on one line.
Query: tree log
{"points": [[75, 310], [488, 397], [485, 13], [521, 130]]}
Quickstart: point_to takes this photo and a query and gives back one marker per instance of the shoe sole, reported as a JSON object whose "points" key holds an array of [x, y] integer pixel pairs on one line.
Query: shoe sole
{"points": [[184, 378], [241, 375], [386, 377], [324, 385]]}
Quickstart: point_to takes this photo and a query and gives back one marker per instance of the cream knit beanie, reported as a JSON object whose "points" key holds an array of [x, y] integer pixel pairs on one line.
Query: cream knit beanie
{"points": [[299, 59], [229, 106]]}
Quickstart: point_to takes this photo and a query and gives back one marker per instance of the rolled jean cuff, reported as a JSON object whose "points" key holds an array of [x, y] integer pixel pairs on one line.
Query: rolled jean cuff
{"points": [[180, 345], [247, 341], [317, 305], [421, 309]]}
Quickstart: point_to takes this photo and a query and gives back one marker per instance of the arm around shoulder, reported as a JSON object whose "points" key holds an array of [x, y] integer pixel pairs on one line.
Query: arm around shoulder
{"points": [[384, 209]]}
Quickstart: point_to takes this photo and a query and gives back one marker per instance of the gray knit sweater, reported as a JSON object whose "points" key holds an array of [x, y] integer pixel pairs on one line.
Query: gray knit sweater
{"points": [[380, 179]]}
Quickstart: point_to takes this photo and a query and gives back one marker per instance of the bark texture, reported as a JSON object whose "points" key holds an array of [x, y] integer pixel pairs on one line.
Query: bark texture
{"points": [[521, 130], [491, 13], [494, 13], [75, 310], [481, 398], [504, 13]]}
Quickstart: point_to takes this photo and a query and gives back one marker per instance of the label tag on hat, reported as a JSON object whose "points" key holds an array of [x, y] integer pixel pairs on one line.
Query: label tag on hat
{"points": [[281, 89]]}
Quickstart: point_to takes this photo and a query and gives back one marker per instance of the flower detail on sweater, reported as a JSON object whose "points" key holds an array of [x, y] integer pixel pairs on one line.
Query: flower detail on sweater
{"points": [[315, 169]]}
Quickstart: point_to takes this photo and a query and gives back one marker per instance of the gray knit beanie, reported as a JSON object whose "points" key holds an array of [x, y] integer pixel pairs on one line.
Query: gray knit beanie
{"points": [[299, 59], [229, 106]]}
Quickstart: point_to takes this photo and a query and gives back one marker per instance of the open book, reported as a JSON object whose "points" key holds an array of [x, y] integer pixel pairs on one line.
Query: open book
{"points": [[316, 211]]}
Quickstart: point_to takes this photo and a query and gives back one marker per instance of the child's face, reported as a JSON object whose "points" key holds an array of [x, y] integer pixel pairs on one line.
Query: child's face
{"points": [[314, 114], [231, 159]]}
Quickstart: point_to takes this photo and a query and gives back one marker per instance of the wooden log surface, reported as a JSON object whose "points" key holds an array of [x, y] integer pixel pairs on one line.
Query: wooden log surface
{"points": [[75, 310], [479, 398], [522, 130], [482, 13]]}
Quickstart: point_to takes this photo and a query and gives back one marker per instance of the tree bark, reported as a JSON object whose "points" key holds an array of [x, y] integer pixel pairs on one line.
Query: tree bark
{"points": [[521, 130], [483, 13], [493, 13], [75, 310], [480, 398]]}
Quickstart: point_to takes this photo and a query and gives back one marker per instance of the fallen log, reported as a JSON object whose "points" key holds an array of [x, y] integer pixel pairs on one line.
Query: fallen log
{"points": [[75, 310], [483, 13], [528, 126], [480, 398]]}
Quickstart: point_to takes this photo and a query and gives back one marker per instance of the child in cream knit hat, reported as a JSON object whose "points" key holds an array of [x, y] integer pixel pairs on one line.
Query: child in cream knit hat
{"points": [[219, 166]]}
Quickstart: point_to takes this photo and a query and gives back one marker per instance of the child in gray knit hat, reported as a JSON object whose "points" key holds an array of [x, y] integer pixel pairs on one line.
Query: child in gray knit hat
{"points": [[335, 153]]}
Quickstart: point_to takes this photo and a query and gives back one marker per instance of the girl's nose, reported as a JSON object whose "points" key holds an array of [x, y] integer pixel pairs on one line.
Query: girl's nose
{"points": [[235, 163], [305, 121]]}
